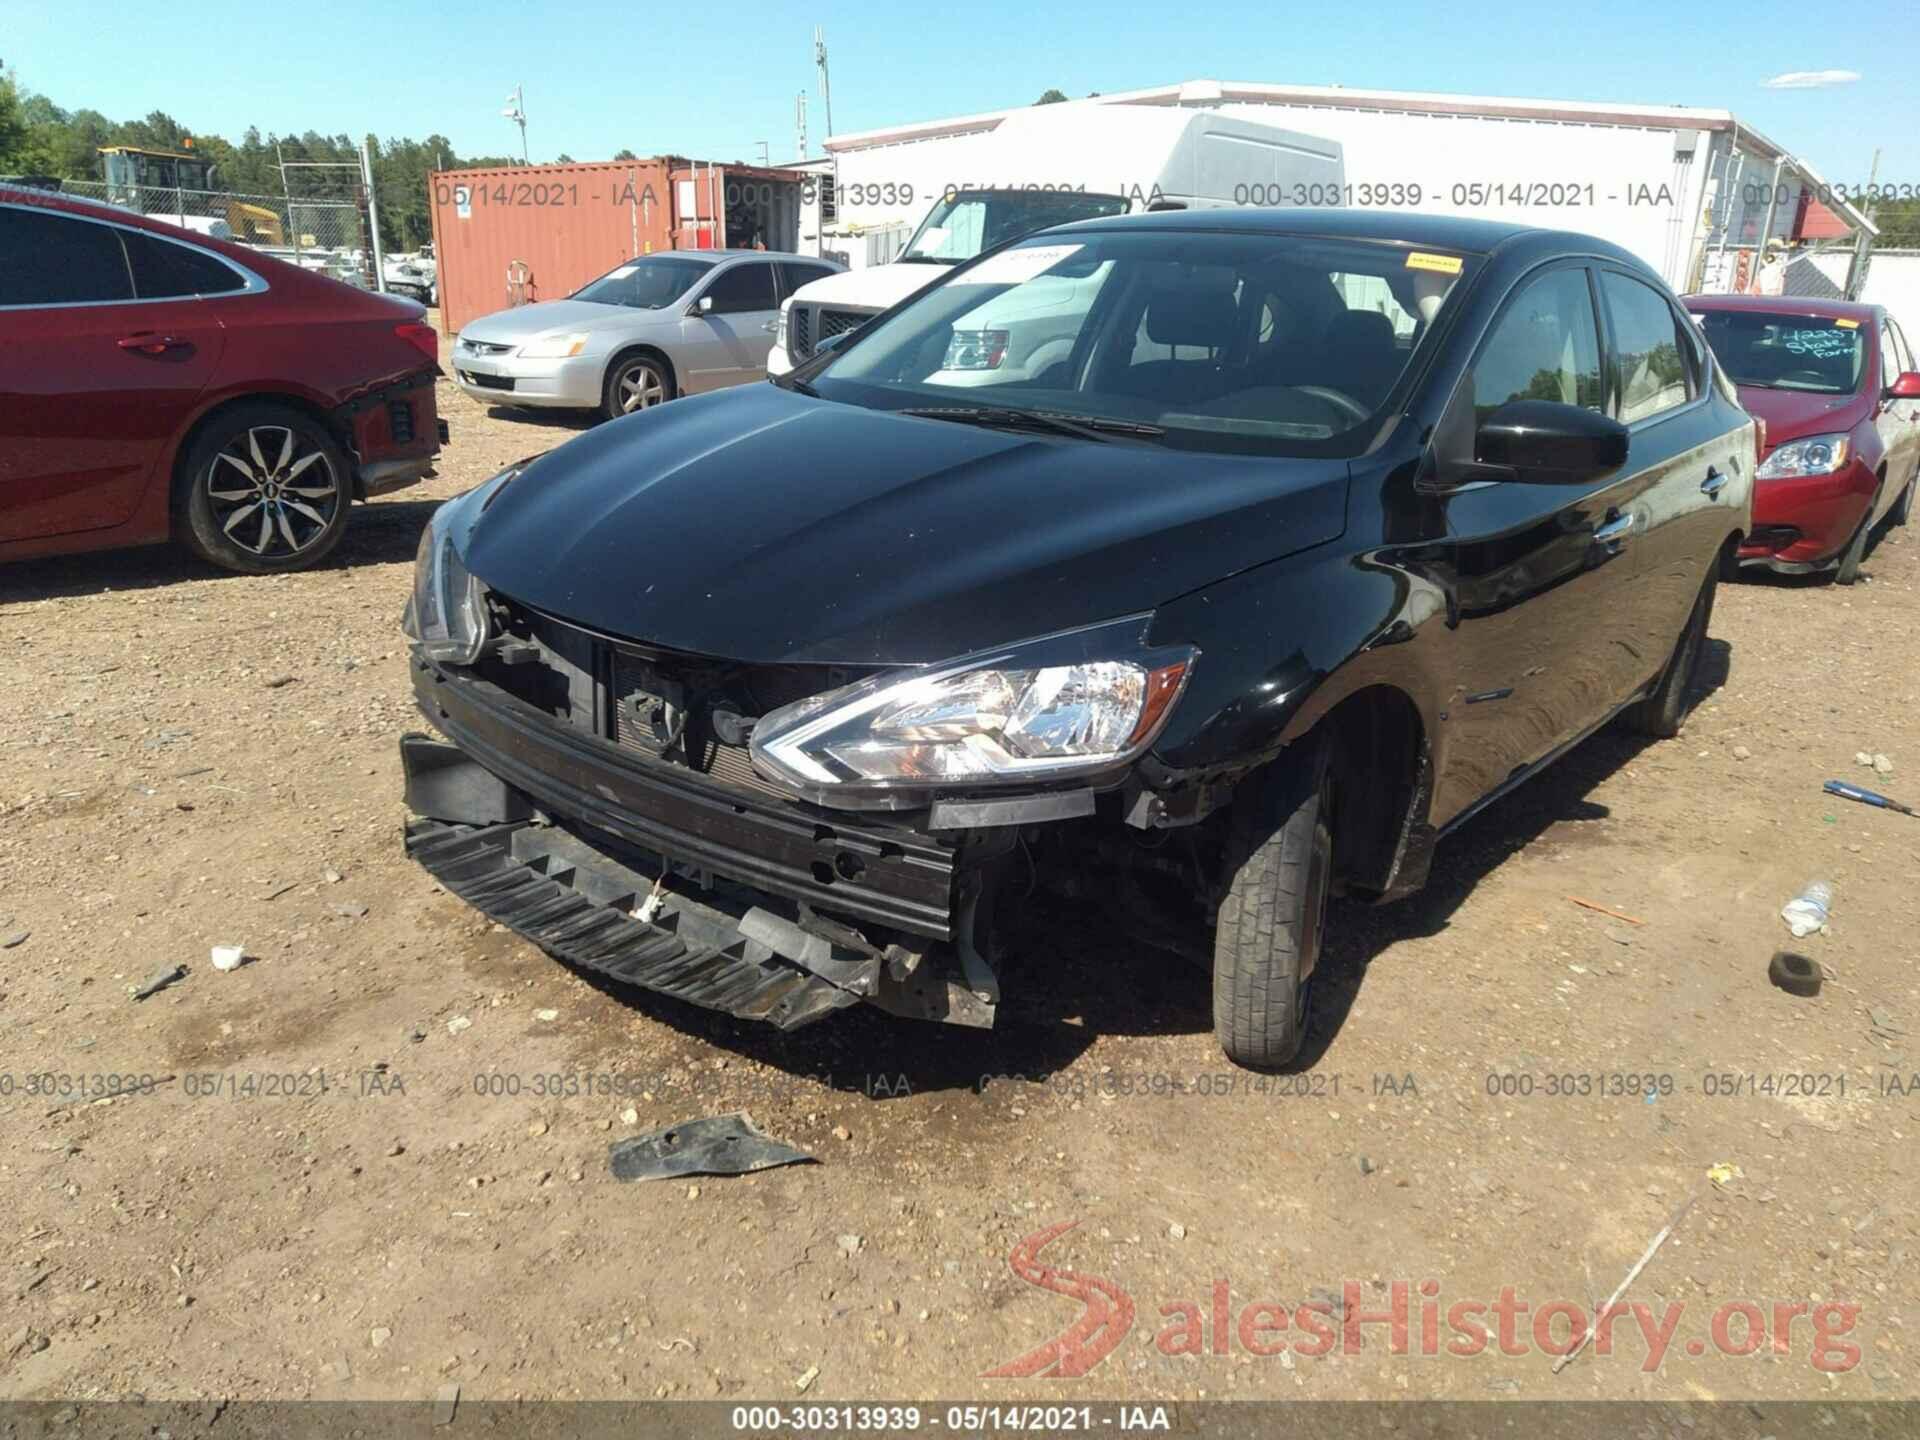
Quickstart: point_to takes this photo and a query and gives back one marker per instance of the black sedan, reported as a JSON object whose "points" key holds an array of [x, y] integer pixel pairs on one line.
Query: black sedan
{"points": [[1238, 554]]}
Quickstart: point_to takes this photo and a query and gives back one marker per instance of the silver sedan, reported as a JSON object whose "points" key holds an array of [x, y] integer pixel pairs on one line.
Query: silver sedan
{"points": [[654, 328]]}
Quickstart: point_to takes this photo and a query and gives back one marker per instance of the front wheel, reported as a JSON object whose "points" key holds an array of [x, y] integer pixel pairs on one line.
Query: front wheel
{"points": [[636, 382], [1268, 935], [265, 489], [1664, 711]]}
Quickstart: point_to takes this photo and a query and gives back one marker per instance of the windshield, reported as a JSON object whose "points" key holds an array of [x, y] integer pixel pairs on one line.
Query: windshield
{"points": [[1251, 343], [652, 283], [966, 222], [1787, 352]]}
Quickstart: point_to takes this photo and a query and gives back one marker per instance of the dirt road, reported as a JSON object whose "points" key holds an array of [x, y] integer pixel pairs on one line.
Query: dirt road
{"points": [[381, 1163]]}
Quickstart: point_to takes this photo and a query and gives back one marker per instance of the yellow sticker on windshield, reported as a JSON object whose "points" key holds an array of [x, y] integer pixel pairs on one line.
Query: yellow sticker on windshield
{"points": [[1440, 264], [1848, 324]]}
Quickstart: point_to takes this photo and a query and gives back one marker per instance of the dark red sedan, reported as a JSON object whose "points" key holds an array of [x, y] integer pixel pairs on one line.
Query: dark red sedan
{"points": [[1837, 389], [157, 384]]}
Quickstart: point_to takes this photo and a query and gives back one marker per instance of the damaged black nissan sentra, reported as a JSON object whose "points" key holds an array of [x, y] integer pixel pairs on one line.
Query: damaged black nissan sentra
{"points": [[1237, 555]]}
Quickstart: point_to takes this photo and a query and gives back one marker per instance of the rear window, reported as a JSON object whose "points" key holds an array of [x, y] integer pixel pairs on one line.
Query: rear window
{"points": [[49, 259], [163, 270], [1787, 352]]}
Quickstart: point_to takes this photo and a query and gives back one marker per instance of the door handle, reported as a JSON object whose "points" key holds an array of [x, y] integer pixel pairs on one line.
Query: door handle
{"points": [[1615, 530], [147, 343], [1713, 484]]}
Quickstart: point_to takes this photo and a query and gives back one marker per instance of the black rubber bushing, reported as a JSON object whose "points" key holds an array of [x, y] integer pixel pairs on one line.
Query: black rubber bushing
{"points": [[1794, 973]]}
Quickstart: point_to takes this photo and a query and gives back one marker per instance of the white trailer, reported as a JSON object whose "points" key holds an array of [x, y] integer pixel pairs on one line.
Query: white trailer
{"points": [[1676, 185], [1038, 167]]}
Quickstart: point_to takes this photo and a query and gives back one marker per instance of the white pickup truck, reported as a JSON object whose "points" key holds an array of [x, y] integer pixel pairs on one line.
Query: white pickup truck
{"points": [[1098, 161]]}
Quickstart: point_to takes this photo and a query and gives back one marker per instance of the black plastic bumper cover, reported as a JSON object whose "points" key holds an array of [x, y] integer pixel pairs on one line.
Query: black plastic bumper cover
{"points": [[889, 874], [577, 905]]}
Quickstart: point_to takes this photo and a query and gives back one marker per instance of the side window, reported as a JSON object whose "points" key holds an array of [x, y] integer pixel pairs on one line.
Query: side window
{"points": [[1900, 345], [163, 270], [1890, 366], [48, 259], [742, 289], [1649, 352], [1545, 346], [793, 276]]}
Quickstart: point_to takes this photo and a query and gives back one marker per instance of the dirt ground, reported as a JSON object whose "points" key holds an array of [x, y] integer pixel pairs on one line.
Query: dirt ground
{"points": [[381, 1165]]}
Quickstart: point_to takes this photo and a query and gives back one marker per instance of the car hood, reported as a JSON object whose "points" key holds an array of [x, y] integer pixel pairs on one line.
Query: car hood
{"points": [[1793, 414], [877, 288], [764, 526], [523, 322]]}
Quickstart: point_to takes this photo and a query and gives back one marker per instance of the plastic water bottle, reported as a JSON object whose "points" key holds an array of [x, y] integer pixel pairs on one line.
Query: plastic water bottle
{"points": [[1807, 911]]}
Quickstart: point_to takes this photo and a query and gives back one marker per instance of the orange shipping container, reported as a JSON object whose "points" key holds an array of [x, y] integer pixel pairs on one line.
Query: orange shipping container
{"points": [[526, 233]]}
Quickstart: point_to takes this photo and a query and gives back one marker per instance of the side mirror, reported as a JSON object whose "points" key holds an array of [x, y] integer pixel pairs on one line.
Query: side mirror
{"points": [[1545, 442], [704, 305], [1905, 387]]}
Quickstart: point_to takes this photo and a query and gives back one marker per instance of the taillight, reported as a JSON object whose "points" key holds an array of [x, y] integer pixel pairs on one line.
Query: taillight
{"points": [[423, 338]]}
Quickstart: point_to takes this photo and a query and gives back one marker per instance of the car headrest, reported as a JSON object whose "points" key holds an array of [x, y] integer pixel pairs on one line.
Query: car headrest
{"points": [[1192, 312], [1362, 332]]}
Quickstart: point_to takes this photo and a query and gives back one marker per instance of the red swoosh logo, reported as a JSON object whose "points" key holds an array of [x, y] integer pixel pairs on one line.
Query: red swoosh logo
{"points": [[1105, 1319]]}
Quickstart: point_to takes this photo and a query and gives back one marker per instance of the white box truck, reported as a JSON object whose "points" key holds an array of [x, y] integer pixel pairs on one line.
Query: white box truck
{"points": [[1039, 169]]}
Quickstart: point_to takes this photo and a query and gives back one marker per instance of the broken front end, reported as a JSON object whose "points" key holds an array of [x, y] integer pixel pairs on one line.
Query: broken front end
{"points": [[743, 836]]}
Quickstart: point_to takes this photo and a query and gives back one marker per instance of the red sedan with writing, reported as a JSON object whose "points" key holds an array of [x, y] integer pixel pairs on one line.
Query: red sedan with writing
{"points": [[1836, 387], [158, 384]]}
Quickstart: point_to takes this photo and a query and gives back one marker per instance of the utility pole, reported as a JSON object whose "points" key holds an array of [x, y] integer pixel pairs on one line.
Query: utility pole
{"points": [[766, 155], [516, 111], [373, 218], [826, 84]]}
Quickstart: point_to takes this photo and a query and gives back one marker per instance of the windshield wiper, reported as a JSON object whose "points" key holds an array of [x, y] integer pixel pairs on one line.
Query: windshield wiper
{"points": [[792, 384], [1086, 427]]}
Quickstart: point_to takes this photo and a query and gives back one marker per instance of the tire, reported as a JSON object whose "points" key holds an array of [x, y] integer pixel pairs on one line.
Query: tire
{"points": [[1664, 711], [265, 489], [635, 382], [1268, 935]]}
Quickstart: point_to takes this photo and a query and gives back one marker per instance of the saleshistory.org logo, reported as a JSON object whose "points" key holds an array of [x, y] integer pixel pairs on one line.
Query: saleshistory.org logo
{"points": [[1316, 1327]]}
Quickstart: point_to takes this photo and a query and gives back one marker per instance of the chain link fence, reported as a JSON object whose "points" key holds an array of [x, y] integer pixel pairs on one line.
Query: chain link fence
{"points": [[328, 236]]}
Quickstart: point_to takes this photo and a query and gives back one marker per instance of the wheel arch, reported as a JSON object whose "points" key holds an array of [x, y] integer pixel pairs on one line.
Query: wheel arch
{"points": [[1381, 760]]}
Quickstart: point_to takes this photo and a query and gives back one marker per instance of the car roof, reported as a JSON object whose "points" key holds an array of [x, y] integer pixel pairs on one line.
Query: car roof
{"points": [[93, 209], [1785, 305], [1444, 232]]}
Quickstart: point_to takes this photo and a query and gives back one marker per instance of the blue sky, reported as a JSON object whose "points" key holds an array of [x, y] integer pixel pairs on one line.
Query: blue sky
{"points": [[711, 81]]}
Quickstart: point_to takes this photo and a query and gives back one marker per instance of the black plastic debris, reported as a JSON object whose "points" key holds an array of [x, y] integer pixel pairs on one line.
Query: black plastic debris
{"points": [[158, 981], [714, 1145]]}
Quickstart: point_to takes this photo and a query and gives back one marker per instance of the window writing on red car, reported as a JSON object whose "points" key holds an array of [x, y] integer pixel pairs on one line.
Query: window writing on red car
{"points": [[1787, 352]]}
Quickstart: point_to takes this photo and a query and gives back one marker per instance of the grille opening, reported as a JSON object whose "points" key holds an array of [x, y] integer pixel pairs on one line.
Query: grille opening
{"points": [[400, 420]]}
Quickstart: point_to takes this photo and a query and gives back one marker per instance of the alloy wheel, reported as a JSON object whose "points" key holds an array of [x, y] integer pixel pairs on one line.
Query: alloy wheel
{"points": [[274, 491], [639, 387]]}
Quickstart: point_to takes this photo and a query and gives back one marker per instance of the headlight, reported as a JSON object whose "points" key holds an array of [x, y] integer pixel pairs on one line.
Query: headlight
{"points": [[446, 615], [975, 350], [1815, 455], [1063, 707], [554, 347]]}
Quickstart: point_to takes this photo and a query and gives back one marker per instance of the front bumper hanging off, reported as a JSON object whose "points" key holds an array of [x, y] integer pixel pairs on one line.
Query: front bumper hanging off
{"points": [[568, 840]]}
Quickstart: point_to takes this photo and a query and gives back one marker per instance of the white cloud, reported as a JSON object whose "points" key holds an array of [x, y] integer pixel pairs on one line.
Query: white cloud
{"points": [[1810, 79]]}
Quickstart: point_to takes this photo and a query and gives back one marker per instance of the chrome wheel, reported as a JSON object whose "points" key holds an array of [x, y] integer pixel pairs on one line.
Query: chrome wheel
{"points": [[274, 491], [639, 387]]}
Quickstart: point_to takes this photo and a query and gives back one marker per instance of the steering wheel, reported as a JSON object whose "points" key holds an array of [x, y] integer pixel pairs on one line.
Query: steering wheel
{"points": [[1339, 399]]}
